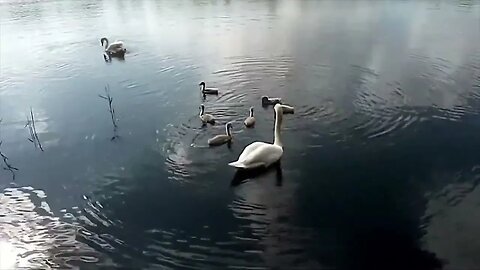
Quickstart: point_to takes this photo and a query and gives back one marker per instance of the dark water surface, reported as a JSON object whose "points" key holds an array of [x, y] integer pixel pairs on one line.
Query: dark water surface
{"points": [[382, 155]]}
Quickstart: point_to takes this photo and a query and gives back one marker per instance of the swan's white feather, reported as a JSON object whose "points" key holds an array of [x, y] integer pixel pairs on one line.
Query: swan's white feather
{"points": [[115, 46], [258, 154], [249, 149]]}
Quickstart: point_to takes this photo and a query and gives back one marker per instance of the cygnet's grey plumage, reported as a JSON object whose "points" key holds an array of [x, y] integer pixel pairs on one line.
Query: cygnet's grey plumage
{"points": [[205, 117], [250, 121], [222, 138]]}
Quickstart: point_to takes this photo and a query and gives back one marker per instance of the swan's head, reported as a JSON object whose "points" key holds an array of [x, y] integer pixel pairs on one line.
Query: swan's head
{"points": [[288, 109], [278, 109], [202, 84]]}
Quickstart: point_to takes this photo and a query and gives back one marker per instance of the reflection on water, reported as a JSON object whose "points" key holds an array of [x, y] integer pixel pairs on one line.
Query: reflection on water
{"points": [[453, 211], [381, 156], [33, 237]]}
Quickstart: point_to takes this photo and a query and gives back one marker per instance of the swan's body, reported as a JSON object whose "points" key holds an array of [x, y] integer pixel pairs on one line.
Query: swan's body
{"points": [[205, 117], [222, 138], [115, 47], [250, 121], [258, 154], [261, 154], [205, 90], [270, 101]]}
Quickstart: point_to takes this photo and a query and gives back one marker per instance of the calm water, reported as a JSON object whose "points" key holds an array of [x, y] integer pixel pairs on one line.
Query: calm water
{"points": [[381, 161]]}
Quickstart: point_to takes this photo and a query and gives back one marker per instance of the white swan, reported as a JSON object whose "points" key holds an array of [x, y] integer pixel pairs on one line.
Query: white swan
{"points": [[261, 154], [211, 91], [114, 48], [250, 121], [222, 138], [205, 117]]}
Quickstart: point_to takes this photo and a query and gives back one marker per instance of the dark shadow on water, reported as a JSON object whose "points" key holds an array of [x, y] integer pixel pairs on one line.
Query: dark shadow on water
{"points": [[107, 57], [368, 201], [242, 176]]}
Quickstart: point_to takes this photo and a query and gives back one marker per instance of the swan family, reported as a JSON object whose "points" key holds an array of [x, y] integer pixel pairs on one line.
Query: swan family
{"points": [[255, 155]]}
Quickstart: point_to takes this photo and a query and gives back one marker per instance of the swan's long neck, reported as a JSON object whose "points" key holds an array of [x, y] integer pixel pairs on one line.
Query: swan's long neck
{"points": [[106, 42], [278, 125], [202, 110], [227, 130], [251, 112], [203, 87]]}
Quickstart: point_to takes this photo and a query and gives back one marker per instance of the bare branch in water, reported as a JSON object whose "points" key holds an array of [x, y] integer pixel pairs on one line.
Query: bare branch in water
{"points": [[111, 110], [33, 131], [8, 166]]}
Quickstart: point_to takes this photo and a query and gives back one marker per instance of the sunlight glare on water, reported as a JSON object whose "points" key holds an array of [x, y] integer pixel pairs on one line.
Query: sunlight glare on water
{"points": [[8, 255]]}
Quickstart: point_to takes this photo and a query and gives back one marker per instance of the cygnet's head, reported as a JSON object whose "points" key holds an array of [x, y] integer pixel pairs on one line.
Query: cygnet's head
{"points": [[265, 100]]}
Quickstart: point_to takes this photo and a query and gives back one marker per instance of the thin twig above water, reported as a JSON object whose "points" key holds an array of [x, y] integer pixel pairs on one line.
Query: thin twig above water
{"points": [[111, 110], [33, 131], [7, 165]]}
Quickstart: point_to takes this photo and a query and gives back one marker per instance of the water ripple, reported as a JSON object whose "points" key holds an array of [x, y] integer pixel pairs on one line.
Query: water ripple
{"points": [[35, 237]]}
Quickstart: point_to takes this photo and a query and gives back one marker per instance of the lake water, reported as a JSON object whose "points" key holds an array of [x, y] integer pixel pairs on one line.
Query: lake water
{"points": [[381, 160]]}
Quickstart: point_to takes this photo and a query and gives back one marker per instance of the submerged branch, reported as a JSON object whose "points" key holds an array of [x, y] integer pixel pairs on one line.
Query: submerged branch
{"points": [[111, 110], [8, 166], [33, 131]]}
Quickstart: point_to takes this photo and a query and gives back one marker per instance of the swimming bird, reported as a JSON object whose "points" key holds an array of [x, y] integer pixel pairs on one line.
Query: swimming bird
{"points": [[211, 91], [222, 138], [205, 117], [115, 47], [250, 121], [270, 101], [262, 154]]}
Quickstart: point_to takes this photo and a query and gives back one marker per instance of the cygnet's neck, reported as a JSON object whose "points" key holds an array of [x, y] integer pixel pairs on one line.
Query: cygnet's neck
{"points": [[227, 130]]}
